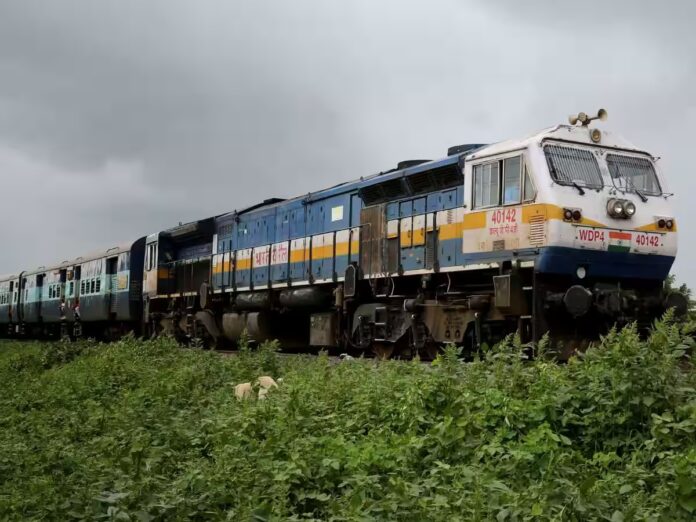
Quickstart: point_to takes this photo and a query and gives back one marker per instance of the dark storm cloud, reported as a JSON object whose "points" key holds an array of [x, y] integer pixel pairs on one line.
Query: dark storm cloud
{"points": [[124, 117]]}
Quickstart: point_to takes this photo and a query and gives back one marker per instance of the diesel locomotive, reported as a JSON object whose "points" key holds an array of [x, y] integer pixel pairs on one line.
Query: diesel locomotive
{"points": [[568, 231]]}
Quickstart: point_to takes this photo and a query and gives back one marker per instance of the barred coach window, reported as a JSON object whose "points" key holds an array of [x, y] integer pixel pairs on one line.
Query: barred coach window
{"points": [[630, 173], [570, 166]]}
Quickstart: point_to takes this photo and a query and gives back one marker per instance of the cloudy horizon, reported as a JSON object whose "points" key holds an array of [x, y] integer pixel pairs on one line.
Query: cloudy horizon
{"points": [[121, 118]]}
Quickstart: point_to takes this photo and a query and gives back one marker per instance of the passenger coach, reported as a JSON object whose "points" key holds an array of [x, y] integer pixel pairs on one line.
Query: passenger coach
{"points": [[98, 295]]}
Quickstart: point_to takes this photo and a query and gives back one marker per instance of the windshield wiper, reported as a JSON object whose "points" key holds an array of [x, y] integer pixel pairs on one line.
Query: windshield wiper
{"points": [[580, 189], [554, 173], [629, 181], [643, 197]]}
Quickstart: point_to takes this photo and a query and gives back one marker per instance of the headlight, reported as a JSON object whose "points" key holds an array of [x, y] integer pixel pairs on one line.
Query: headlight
{"points": [[629, 208], [615, 208]]}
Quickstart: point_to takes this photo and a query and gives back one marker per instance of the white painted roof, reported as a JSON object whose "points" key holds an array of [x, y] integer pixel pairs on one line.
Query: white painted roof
{"points": [[560, 132]]}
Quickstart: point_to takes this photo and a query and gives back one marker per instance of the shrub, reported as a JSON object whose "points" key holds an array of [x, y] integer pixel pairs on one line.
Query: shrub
{"points": [[144, 430]]}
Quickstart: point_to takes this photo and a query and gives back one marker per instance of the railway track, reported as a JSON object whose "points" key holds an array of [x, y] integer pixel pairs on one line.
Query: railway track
{"points": [[310, 353], [334, 359]]}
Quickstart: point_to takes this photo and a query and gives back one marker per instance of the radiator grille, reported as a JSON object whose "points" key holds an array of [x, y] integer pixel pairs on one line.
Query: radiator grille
{"points": [[537, 230], [430, 245]]}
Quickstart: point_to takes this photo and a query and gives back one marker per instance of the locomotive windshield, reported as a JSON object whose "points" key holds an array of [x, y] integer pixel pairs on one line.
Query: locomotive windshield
{"points": [[571, 166], [580, 167], [631, 174]]}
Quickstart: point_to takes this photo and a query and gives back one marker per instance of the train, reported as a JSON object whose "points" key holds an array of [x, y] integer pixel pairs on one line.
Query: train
{"points": [[564, 233]]}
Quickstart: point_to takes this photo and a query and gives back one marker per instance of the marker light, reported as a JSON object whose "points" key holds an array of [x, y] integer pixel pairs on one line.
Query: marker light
{"points": [[577, 215], [581, 272], [661, 223], [629, 208], [567, 214], [670, 224]]}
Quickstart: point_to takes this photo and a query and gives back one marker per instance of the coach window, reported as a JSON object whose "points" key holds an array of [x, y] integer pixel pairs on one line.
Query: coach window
{"points": [[124, 262], [487, 185]]}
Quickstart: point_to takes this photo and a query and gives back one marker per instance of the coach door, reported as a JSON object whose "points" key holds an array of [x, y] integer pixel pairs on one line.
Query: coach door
{"points": [[112, 282], [70, 290], [38, 292]]}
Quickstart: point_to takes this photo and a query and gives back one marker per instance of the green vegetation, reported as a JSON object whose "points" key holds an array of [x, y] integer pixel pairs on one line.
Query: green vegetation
{"points": [[671, 285], [147, 431]]}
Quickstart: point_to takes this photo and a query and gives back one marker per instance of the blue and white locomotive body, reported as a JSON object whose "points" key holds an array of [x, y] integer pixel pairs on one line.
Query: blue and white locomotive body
{"points": [[566, 231]]}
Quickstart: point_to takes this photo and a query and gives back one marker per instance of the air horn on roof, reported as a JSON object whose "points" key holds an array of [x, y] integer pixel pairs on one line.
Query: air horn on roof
{"points": [[585, 120]]}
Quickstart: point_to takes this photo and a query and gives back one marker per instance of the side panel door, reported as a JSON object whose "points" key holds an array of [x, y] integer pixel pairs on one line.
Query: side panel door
{"points": [[372, 240]]}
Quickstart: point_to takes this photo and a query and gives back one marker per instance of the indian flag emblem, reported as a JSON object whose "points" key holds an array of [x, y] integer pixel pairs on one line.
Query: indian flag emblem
{"points": [[619, 241]]}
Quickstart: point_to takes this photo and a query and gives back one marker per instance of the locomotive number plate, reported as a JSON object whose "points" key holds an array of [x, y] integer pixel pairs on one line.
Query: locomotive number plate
{"points": [[591, 238], [617, 240], [647, 242], [504, 222]]}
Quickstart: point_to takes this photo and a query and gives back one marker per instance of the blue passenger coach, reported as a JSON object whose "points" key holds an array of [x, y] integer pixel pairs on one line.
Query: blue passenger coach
{"points": [[97, 295]]}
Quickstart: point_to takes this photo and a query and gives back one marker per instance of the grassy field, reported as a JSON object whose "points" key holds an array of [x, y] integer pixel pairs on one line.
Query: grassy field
{"points": [[148, 431]]}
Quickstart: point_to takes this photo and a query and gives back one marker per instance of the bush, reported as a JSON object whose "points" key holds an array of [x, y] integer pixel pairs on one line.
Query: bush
{"points": [[147, 431]]}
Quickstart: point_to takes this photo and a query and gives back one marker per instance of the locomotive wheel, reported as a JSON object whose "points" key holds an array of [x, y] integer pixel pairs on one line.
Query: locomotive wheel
{"points": [[382, 350]]}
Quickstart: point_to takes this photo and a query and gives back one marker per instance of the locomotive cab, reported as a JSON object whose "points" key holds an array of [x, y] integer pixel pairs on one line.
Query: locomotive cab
{"points": [[177, 266], [601, 225]]}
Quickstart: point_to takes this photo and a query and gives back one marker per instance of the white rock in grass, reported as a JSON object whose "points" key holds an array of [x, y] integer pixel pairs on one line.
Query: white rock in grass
{"points": [[243, 391], [267, 382]]}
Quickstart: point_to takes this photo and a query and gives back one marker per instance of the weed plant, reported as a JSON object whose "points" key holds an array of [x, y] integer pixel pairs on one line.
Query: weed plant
{"points": [[146, 430]]}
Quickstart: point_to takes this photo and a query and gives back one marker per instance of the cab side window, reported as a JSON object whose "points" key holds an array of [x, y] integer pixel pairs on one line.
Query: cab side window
{"points": [[502, 182], [512, 176], [487, 185], [151, 256], [529, 190]]}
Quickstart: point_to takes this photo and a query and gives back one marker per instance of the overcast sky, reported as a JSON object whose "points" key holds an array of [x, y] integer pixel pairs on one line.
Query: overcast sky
{"points": [[121, 118]]}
